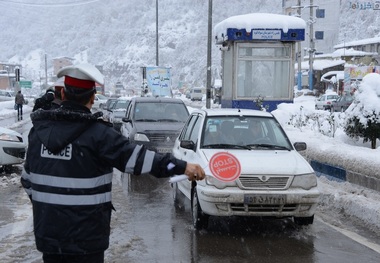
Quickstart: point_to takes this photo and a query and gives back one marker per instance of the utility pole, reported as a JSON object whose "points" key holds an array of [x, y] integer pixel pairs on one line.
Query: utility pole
{"points": [[299, 74], [46, 76], [312, 47], [208, 90], [157, 33]]}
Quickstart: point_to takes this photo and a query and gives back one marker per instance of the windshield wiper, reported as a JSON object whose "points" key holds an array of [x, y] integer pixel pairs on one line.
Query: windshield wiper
{"points": [[269, 146], [226, 145], [168, 120], [147, 120]]}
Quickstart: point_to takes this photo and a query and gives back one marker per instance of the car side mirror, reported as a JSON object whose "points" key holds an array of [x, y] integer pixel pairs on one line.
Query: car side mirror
{"points": [[300, 146], [125, 119], [187, 144]]}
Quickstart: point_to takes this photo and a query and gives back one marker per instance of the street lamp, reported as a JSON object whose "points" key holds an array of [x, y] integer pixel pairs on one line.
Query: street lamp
{"points": [[156, 32], [208, 90], [312, 46], [311, 21]]}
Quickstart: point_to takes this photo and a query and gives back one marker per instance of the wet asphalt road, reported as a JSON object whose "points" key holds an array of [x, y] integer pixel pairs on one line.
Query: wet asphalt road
{"points": [[148, 227], [165, 233]]}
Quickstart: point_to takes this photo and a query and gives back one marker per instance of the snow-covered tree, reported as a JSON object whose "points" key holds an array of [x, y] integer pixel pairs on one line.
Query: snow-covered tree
{"points": [[363, 116]]}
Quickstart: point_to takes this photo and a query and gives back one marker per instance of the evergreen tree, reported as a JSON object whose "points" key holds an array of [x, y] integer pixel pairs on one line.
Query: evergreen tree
{"points": [[363, 116]]}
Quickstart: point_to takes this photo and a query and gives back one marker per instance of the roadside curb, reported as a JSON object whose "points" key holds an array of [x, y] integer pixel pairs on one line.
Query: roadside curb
{"points": [[342, 174]]}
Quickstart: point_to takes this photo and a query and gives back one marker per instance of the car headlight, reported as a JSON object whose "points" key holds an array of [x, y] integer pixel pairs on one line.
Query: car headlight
{"points": [[305, 181], [141, 137], [210, 180], [10, 137]]}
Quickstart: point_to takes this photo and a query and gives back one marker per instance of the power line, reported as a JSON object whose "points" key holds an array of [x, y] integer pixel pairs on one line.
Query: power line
{"points": [[53, 4]]}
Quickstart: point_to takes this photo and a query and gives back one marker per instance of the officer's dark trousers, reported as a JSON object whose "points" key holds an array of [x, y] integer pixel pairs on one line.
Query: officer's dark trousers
{"points": [[89, 258]]}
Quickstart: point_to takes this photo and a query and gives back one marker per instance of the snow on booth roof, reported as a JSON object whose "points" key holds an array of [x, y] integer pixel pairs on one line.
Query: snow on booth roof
{"points": [[262, 21]]}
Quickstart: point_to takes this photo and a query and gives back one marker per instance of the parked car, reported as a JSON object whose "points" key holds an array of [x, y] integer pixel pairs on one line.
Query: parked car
{"points": [[252, 169], [324, 101], [7, 95], [12, 148], [99, 102], [154, 122], [117, 112], [342, 103]]}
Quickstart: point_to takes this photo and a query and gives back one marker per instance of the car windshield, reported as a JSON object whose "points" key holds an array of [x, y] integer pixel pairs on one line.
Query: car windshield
{"points": [[160, 112], [110, 103], [331, 97], [244, 132], [121, 104], [101, 97]]}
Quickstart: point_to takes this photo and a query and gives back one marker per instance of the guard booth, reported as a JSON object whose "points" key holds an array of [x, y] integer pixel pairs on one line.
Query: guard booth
{"points": [[258, 57]]}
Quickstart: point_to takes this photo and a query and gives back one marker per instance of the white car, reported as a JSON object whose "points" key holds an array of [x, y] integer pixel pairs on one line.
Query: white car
{"points": [[325, 101], [100, 101], [6, 95], [12, 148], [252, 169]]}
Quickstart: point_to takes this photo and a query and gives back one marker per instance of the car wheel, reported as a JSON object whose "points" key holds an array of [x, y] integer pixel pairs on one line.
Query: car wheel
{"points": [[304, 221], [200, 220]]}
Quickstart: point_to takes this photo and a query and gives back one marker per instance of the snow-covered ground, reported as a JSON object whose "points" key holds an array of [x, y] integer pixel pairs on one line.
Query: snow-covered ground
{"points": [[339, 200]]}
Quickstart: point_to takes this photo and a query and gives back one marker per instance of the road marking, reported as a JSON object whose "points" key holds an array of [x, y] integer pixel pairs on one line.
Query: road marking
{"points": [[354, 236]]}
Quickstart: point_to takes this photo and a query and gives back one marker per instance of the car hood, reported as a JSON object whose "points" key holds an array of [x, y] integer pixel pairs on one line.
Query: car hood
{"points": [[266, 161], [9, 131]]}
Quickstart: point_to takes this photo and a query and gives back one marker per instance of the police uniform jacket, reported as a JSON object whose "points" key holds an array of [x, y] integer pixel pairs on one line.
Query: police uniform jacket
{"points": [[67, 175]]}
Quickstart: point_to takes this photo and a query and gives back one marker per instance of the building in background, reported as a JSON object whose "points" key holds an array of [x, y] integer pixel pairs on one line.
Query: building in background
{"points": [[61, 62], [8, 76], [325, 22]]}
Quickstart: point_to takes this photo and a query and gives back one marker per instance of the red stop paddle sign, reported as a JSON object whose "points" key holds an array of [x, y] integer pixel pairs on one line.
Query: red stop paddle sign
{"points": [[225, 166]]}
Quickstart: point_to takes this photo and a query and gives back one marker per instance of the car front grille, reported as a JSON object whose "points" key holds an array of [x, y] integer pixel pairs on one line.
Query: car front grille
{"points": [[264, 182], [240, 207], [162, 137]]}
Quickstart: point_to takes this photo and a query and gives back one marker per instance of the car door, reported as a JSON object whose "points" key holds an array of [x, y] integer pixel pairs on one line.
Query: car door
{"points": [[190, 133]]}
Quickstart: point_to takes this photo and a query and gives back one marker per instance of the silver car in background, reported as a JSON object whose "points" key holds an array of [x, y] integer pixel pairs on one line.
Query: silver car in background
{"points": [[12, 148]]}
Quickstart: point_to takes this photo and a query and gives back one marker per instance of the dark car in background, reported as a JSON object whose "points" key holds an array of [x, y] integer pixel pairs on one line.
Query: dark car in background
{"points": [[154, 122], [342, 103]]}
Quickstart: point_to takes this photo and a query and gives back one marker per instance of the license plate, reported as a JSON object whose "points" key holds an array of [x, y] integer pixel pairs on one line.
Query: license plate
{"points": [[164, 150], [265, 199]]}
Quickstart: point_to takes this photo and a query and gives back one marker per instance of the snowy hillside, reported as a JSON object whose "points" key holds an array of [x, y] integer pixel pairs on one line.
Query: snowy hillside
{"points": [[120, 34]]}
